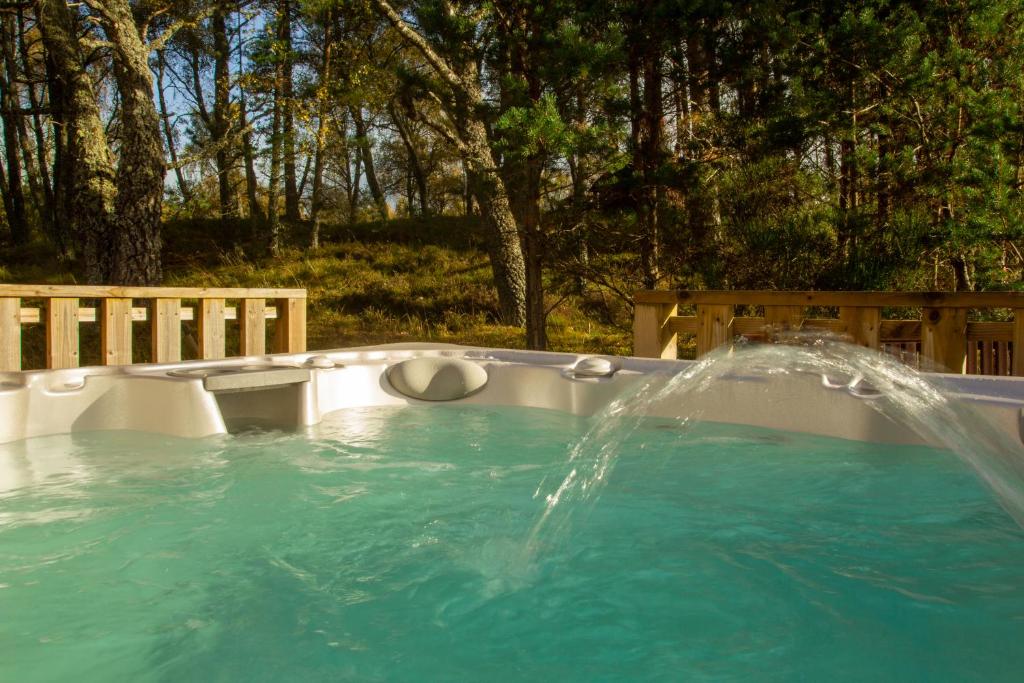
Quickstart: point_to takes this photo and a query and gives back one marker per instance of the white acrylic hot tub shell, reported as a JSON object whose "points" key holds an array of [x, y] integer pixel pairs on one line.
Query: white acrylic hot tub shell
{"points": [[147, 398]]}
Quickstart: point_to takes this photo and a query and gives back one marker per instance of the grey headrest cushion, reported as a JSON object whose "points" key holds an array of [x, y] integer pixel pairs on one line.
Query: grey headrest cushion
{"points": [[437, 379]]}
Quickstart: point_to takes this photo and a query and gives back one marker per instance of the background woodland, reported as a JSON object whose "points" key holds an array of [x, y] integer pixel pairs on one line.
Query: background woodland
{"points": [[582, 150]]}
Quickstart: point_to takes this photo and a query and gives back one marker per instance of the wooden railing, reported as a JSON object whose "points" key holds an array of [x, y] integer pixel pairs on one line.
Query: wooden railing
{"points": [[59, 310], [942, 339]]}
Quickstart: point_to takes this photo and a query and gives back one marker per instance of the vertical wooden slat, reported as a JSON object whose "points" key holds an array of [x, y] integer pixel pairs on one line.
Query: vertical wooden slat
{"points": [[252, 321], [972, 358], [290, 336], [986, 357], [61, 333], [780, 318], [651, 336], [116, 331], [10, 334], [714, 327], [944, 339], [166, 327], [863, 324], [1004, 358], [211, 329], [1018, 342]]}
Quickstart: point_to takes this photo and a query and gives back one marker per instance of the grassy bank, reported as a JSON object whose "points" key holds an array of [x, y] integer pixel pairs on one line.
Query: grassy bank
{"points": [[372, 283]]}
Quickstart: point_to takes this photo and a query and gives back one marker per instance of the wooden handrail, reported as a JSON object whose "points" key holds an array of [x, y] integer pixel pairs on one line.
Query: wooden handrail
{"points": [[115, 292], [61, 314], [853, 299], [942, 339]]}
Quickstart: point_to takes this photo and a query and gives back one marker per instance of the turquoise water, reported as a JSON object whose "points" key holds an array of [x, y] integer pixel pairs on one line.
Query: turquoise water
{"points": [[390, 545]]}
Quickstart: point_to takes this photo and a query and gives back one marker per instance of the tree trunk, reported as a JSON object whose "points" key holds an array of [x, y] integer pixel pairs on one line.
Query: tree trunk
{"points": [[646, 142], [48, 212], [291, 188], [251, 182], [467, 193], [89, 186], [274, 182], [533, 248], [882, 170], [195, 66], [578, 198], [710, 47], [354, 186], [307, 164], [352, 168], [681, 105], [165, 116], [351, 177], [316, 203], [5, 194], [507, 262], [363, 143], [17, 216], [316, 200], [652, 126], [220, 128], [415, 166], [140, 169], [63, 172], [28, 159], [522, 173]]}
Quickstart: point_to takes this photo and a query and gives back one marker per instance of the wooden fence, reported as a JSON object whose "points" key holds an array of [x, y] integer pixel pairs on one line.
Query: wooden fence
{"points": [[943, 338], [59, 310]]}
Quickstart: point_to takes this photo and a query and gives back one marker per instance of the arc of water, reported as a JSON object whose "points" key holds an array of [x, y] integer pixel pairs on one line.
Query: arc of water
{"points": [[899, 392]]}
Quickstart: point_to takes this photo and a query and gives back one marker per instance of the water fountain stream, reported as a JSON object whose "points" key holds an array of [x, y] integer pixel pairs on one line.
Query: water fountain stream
{"points": [[905, 396]]}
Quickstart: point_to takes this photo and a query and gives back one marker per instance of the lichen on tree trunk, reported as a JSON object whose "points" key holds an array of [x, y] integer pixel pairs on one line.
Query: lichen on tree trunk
{"points": [[506, 253], [115, 211], [90, 187], [140, 170]]}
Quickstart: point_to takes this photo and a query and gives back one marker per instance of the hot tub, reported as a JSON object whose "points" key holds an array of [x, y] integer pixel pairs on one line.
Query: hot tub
{"points": [[530, 516]]}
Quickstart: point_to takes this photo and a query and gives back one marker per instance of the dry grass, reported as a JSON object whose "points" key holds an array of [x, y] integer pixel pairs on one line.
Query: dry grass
{"points": [[404, 281], [362, 294]]}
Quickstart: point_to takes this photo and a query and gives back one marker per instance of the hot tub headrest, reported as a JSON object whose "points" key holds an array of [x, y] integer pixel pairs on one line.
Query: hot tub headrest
{"points": [[437, 379]]}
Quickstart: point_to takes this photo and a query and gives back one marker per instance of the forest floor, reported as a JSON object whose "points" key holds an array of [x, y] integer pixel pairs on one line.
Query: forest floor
{"points": [[369, 283]]}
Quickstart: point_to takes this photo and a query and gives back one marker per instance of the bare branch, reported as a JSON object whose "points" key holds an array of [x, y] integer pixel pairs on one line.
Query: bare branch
{"points": [[420, 43], [161, 41], [93, 44], [144, 28]]}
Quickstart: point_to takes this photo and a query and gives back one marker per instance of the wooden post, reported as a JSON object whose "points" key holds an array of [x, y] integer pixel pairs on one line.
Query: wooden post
{"points": [[10, 334], [1018, 342], [652, 337], [290, 336], [116, 331], [252, 321], [62, 333], [783, 318], [863, 324], [714, 327], [944, 339], [166, 327], [211, 329]]}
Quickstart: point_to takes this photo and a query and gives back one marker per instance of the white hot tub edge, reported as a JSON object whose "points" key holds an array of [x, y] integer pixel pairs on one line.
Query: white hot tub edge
{"points": [[202, 398]]}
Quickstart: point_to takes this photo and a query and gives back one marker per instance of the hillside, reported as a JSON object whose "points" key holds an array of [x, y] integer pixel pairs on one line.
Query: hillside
{"points": [[370, 283]]}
